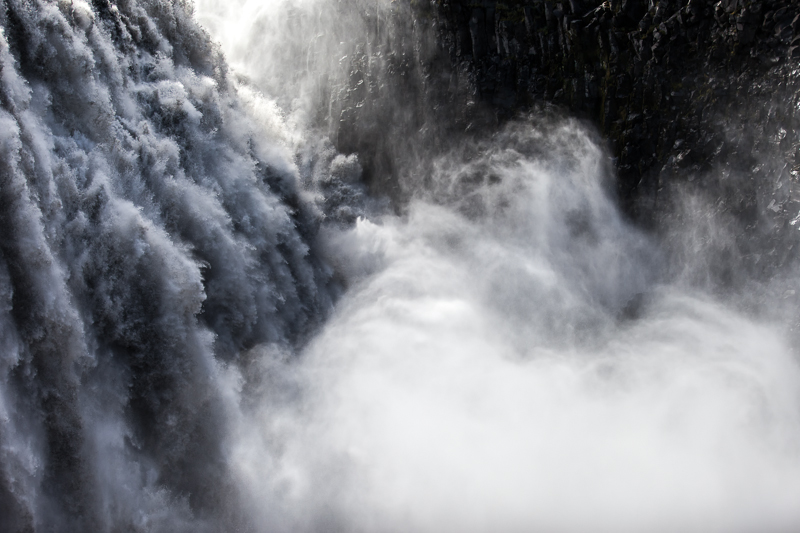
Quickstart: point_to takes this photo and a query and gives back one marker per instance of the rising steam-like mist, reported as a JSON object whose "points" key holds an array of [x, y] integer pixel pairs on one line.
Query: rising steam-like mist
{"points": [[528, 368], [513, 356], [210, 322]]}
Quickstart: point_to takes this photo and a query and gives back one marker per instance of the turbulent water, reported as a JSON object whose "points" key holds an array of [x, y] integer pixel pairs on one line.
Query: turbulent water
{"points": [[207, 322]]}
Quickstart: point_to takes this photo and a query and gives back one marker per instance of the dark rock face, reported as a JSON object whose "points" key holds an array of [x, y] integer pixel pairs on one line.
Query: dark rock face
{"points": [[692, 95], [685, 92], [701, 94], [670, 84]]}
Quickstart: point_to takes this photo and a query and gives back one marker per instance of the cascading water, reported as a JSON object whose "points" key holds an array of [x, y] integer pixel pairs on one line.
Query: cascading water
{"points": [[152, 230], [210, 322]]}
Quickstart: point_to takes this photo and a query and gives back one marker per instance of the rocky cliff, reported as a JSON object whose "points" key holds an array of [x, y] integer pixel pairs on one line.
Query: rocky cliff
{"points": [[694, 97], [684, 91]]}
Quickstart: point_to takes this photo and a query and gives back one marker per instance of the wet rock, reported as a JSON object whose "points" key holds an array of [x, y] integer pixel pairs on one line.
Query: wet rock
{"points": [[646, 73]]}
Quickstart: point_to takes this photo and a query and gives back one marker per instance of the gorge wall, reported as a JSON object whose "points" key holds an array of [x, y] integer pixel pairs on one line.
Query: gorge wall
{"points": [[693, 95], [675, 87]]}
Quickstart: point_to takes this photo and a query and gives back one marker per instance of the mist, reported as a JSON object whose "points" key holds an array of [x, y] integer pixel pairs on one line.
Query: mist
{"points": [[258, 274], [512, 354], [532, 368]]}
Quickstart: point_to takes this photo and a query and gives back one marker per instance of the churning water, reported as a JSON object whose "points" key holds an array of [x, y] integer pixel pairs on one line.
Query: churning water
{"points": [[207, 322]]}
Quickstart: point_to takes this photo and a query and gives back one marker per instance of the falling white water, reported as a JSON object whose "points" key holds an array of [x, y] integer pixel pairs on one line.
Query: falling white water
{"points": [[510, 353]]}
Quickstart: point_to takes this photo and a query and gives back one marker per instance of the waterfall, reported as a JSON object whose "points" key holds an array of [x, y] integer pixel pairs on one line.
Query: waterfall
{"points": [[259, 272], [153, 230]]}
